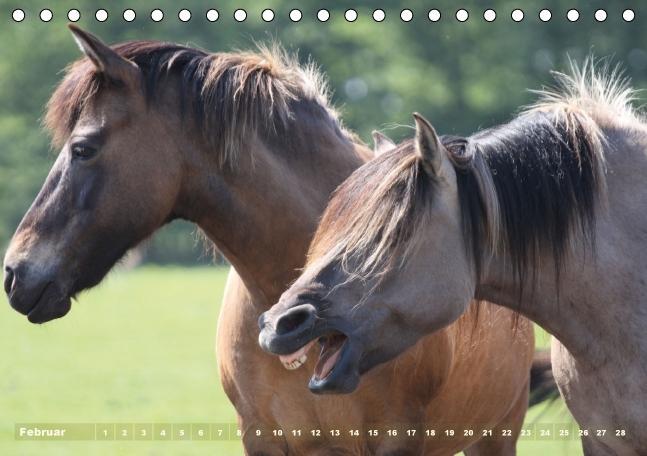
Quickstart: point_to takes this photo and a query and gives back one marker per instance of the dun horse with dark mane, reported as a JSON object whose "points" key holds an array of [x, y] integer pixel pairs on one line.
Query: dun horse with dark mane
{"points": [[247, 147], [545, 215]]}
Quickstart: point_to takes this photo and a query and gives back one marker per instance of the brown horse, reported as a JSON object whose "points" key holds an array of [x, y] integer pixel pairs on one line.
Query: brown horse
{"points": [[247, 147], [545, 214]]}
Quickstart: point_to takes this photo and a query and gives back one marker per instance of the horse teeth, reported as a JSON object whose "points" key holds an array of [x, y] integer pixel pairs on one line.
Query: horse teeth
{"points": [[297, 363]]}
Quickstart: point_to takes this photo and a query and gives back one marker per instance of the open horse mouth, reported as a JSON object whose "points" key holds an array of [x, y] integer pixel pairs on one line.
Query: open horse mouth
{"points": [[332, 346]]}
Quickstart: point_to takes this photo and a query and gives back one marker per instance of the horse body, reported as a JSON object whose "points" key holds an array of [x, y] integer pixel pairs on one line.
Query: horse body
{"points": [[245, 146], [545, 215]]}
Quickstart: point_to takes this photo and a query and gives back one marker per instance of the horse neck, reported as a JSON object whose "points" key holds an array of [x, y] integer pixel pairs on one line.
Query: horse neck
{"points": [[598, 288], [262, 212]]}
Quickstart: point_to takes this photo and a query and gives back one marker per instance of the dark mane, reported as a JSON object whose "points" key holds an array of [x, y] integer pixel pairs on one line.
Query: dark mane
{"points": [[225, 95], [547, 171]]}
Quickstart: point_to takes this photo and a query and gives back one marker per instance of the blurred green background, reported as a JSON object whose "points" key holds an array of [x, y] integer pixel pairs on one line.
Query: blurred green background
{"points": [[110, 360]]}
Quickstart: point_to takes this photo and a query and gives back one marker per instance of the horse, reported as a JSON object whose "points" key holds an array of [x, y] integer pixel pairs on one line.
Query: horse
{"points": [[544, 215], [248, 147]]}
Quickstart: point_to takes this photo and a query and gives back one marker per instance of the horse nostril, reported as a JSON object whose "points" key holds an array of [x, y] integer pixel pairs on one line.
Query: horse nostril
{"points": [[8, 279], [295, 318]]}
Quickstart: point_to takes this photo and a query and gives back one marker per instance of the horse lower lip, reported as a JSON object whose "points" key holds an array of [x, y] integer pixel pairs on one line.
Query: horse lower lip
{"points": [[44, 312], [33, 316], [34, 305]]}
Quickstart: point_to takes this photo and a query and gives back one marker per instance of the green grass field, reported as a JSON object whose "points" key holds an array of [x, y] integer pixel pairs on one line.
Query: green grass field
{"points": [[140, 349]]}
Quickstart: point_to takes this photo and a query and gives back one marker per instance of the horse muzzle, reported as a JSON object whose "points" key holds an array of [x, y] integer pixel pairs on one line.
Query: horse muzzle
{"points": [[34, 295], [293, 333]]}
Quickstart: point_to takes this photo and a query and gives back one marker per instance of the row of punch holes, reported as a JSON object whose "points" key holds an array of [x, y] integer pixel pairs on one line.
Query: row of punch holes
{"points": [[323, 15]]}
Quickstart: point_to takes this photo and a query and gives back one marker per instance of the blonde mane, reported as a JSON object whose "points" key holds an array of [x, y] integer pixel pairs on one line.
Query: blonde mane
{"points": [[367, 233], [595, 88]]}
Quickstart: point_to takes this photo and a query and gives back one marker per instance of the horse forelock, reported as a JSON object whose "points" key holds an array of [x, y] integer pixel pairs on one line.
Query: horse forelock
{"points": [[226, 95], [373, 217]]}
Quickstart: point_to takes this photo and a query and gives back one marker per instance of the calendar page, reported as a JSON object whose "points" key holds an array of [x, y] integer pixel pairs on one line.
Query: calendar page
{"points": [[322, 227]]}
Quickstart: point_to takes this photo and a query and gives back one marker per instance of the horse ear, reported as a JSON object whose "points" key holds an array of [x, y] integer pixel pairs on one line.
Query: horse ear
{"points": [[103, 57], [428, 146], [381, 143]]}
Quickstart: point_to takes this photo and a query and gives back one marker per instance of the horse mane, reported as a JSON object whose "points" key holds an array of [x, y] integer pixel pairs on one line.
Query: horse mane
{"points": [[226, 95], [525, 187], [595, 87]]}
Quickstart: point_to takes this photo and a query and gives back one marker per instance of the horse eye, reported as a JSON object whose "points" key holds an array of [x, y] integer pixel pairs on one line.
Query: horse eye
{"points": [[82, 152]]}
